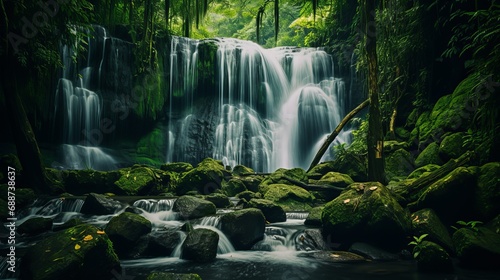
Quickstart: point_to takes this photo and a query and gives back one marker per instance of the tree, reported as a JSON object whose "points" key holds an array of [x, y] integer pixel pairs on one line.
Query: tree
{"points": [[375, 143]]}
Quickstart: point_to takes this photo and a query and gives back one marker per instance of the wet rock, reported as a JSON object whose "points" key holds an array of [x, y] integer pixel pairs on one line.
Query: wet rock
{"points": [[243, 227], [477, 248], [252, 182], [289, 197], [142, 180], [314, 217], [219, 200], [242, 170], [205, 178], [371, 252], [310, 240], [82, 252], [233, 187], [399, 164], [280, 177], [430, 155], [190, 207], [247, 195], [172, 276], [98, 204], [273, 212], [432, 258], [125, 230], [487, 193], [335, 256], [200, 245], [366, 212], [80, 182], [69, 224], [177, 167], [452, 146], [24, 196], [156, 244], [334, 180], [426, 221], [35, 226]]}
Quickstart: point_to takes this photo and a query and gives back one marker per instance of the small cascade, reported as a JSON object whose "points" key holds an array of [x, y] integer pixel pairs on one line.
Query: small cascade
{"points": [[276, 239], [54, 206], [296, 215], [158, 212], [154, 206], [213, 223]]}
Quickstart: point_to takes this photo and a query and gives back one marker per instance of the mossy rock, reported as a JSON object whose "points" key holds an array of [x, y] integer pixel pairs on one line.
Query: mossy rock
{"points": [[125, 230], [205, 178], [366, 212], [252, 182], [233, 187], [423, 171], [433, 258], [426, 221], [477, 248], [453, 146], [98, 204], [273, 212], [399, 164], [80, 182], [402, 133], [82, 252], [488, 191], [289, 197], [69, 224], [321, 169], [242, 170], [278, 177], [178, 167], [219, 200], [450, 195], [172, 276], [314, 217], [247, 195], [142, 180], [244, 227], [430, 155], [35, 226], [153, 146], [200, 245], [335, 179], [190, 207], [392, 145]]}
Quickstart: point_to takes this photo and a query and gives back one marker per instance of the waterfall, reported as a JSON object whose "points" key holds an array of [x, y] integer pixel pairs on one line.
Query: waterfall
{"points": [[237, 102]]}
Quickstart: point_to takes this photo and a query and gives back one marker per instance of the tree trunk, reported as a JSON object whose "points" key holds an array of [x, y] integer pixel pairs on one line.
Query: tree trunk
{"points": [[336, 132], [376, 169]]}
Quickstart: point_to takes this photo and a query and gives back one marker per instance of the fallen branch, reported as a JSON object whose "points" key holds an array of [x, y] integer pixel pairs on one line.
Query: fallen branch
{"points": [[336, 132]]}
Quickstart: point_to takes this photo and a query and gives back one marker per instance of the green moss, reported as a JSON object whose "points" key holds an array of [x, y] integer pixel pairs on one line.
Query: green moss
{"points": [[479, 248], [426, 221], [488, 191], [314, 217], [134, 180], [233, 187], [423, 171], [430, 155], [290, 198], [278, 177], [433, 258], [178, 167], [399, 164], [205, 178], [153, 147]]}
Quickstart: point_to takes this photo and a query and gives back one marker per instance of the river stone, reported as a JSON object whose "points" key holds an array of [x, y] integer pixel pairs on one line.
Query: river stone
{"points": [[35, 226], [289, 197], [314, 217], [69, 224], [366, 212], [142, 180], [98, 204], [172, 276], [252, 182], [200, 245], [477, 248], [243, 227], [233, 187], [156, 244], [242, 170], [371, 252], [426, 221], [433, 258], [205, 178], [219, 200], [273, 212], [125, 230], [82, 252], [311, 240], [190, 207]]}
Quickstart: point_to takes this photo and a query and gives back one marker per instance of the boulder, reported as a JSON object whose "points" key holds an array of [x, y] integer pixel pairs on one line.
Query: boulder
{"points": [[487, 194], [399, 164], [84, 181], [453, 146], [392, 146], [156, 244], [242, 170], [205, 178], [426, 221], [429, 155], [477, 248], [310, 240], [334, 180], [190, 207], [423, 171], [273, 212], [125, 230], [82, 252], [200, 245], [371, 252], [247, 195], [142, 180], [289, 197], [69, 224], [366, 212], [252, 182], [219, 200], [432, 258], [233, 187], [172, 276], [314, 217], [243, 227], [279, 177], [177, 167], [35, 226], [98, 204]]}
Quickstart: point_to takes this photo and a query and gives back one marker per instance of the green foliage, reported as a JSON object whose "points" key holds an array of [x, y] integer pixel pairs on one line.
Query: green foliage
{"points": [[470, 224], [417, 243]]}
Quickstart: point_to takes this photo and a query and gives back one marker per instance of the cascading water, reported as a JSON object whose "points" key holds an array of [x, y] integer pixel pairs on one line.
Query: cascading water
{"points": [[262, 108]]}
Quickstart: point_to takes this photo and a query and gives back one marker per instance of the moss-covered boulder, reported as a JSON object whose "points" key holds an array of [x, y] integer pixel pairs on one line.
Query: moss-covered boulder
{"points": [[433, 258], [177, 167], [244, 227], [366, 212], [172, 276], [289, 197], [125, 230], [242, 170], [233, 187], [399, 164], [314, 217], [273, 212], [205, 178], [247, 195], [449, 195], [35, 226], [487, 197], [98, 204], [426, 221], [219, 200], [392, 146], [190, 207], [69, 224], [423, 171], [200, 245], [333, 180], [349, 164], [82, 252], [282, 176], [142, 180], [478, 248], [453, 146], [252, 182], [80, 182], [430, 155]]}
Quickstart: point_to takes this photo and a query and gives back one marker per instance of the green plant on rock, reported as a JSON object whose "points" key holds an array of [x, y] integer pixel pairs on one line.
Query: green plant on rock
{"points": [[417, 243], [470, 224]]}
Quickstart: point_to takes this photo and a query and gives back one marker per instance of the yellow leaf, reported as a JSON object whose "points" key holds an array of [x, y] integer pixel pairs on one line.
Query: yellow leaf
{"points": [[100, 232], [72, 238], [88, 237], [77, 247], [347, 200]]}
